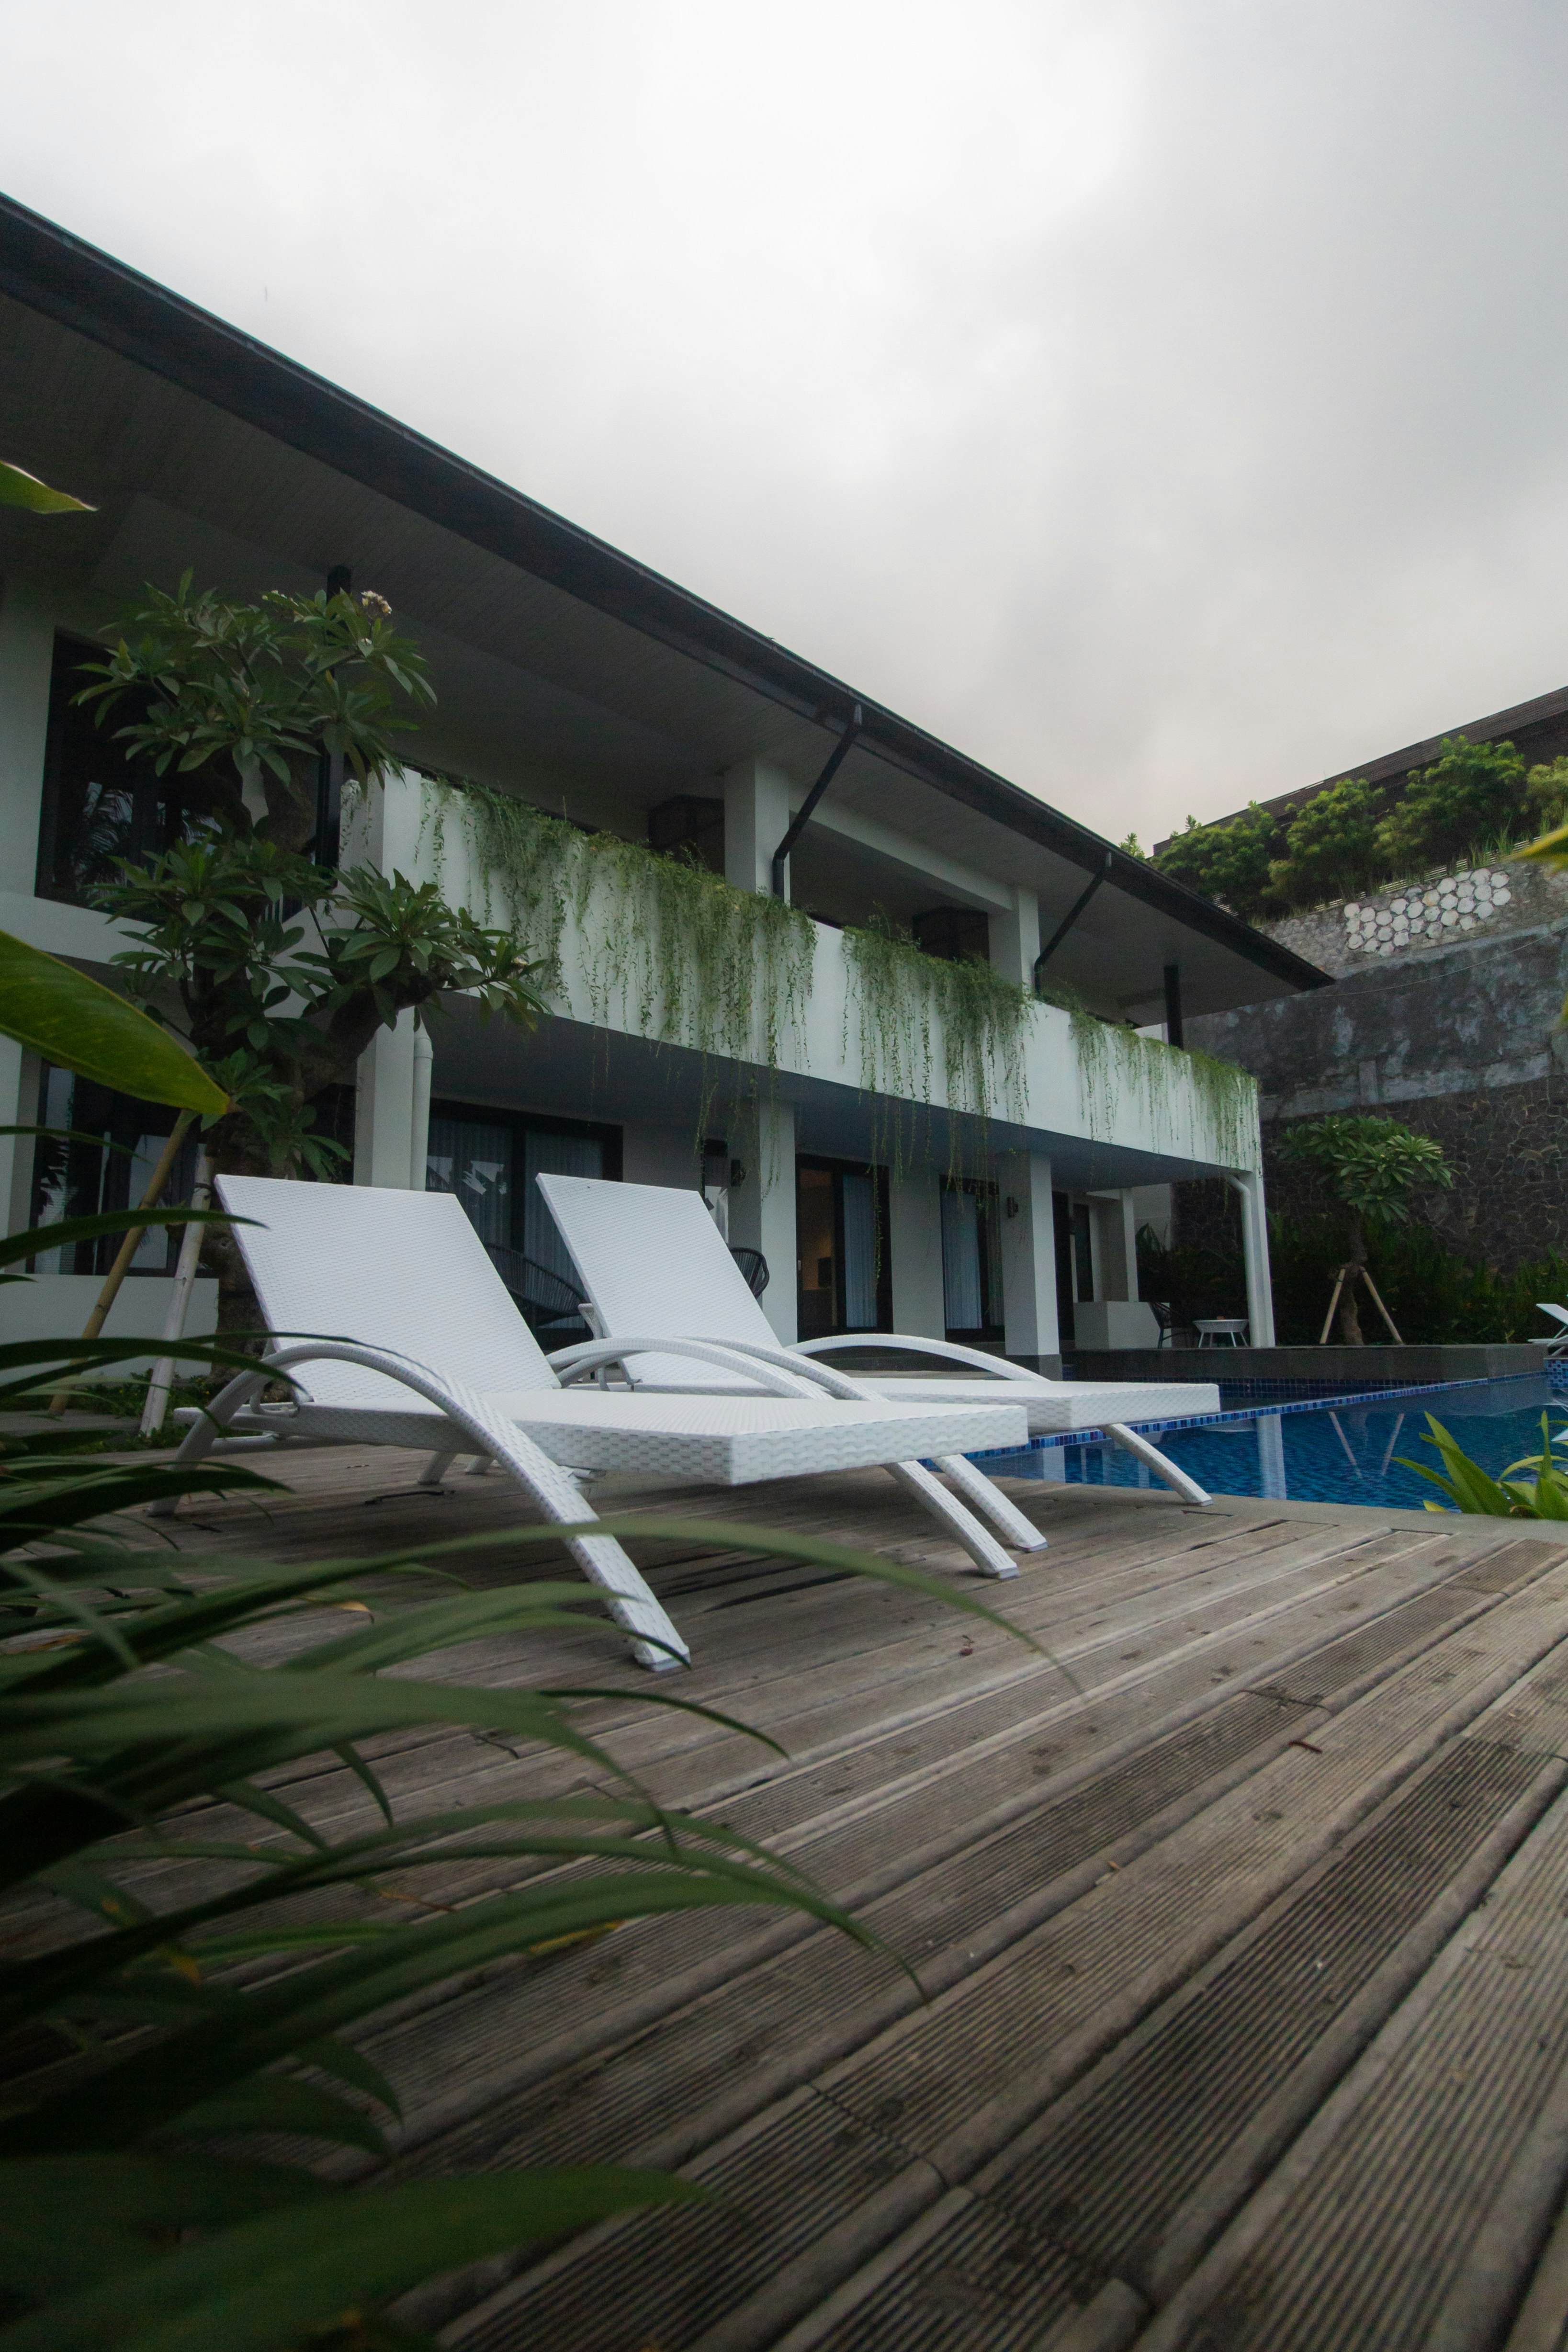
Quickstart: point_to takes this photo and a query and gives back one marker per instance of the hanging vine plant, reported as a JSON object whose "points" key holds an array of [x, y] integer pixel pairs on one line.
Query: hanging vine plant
{"points": [[675, 952], [914, 1015], [1115, 1064]]}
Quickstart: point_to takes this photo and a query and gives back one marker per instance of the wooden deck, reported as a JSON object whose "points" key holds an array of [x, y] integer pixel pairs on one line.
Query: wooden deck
{"points": [[1244, 1950]]}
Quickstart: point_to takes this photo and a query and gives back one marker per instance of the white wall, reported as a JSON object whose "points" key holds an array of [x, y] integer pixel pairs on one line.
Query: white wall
{"points": [[60, 1304], [1063, 1093]]}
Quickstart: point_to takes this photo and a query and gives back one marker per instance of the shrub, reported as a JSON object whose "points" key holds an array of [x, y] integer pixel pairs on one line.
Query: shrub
{"points": [[1231, 862], [1474, 792], [1331, 847]]}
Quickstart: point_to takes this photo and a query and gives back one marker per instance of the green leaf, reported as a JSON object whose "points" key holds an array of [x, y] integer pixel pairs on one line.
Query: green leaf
{"points": [[276, 2103], [19, 488], [76, 1022], [260, 2286], [68, 2221]]}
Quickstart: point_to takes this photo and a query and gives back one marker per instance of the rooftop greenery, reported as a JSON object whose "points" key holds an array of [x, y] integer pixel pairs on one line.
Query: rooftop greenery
{"points": [[1475, 802]]}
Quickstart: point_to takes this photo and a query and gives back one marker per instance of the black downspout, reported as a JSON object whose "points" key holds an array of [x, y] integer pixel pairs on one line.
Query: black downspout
{"points": [[326, 844], [1172, 1005], [1043, 957], [836, 759]]}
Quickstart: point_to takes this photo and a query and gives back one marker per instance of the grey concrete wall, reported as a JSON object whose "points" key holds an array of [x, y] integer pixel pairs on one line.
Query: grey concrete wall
{"points": [[1455, 1039]]}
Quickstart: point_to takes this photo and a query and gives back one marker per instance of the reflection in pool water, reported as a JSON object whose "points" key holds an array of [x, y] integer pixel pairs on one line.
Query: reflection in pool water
{"points": [[1326, 1452]]}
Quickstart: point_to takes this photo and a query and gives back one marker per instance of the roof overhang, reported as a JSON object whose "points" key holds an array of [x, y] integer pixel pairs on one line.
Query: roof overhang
{"points": [[548, 607]]}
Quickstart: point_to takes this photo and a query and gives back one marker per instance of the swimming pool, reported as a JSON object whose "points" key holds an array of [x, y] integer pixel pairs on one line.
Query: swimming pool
{"points": [[1332, 1449]]}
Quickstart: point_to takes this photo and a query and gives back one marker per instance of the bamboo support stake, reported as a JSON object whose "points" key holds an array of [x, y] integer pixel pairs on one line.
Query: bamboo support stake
{"points": [[130, 1244], [1381, 1308], [162, 1379], [1333, 1302]]}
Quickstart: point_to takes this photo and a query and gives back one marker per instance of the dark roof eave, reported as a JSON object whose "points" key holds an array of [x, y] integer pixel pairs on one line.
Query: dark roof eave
{"points": [[48, 270]]}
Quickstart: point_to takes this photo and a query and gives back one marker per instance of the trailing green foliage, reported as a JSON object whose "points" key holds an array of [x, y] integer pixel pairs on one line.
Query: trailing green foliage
{"points": [[672, 951], [1116, 1066], [917, 1019], [1541, 1495]]}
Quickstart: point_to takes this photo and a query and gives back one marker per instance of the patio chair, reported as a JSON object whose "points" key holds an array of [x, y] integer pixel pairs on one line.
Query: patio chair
{"points": [[650, 1259], [545, 1301], [1556, 1342], [432, 1353], [754, 1266]]}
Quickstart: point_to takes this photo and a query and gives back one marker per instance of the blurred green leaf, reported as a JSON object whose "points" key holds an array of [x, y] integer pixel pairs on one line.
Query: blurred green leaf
{"points": [[20, 488], [80, 1025]]}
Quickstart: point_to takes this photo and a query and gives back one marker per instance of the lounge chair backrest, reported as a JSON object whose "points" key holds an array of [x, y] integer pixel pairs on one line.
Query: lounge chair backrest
{"points": [[651, 1258], [400, 1270], [1558, 1314]]}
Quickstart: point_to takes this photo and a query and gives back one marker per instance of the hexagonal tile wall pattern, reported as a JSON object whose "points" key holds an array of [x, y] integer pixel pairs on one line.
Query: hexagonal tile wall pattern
{"points": [[1425, 912]]}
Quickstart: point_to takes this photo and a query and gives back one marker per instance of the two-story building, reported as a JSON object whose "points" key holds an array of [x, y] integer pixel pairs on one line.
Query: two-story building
{"points": [[903, 1154]]}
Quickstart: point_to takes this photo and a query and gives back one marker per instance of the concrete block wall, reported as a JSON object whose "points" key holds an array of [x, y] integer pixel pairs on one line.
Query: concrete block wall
{"points": [[1458, 1039]]}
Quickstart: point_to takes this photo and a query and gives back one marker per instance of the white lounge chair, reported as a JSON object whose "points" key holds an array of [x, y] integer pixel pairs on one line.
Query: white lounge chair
{"points": [[1556, 1343], [433, 1354], [651, 1258]]}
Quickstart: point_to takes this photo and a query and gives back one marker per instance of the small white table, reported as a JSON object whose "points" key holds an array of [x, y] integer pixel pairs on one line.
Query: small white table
{"points": [[1222, 1331]]}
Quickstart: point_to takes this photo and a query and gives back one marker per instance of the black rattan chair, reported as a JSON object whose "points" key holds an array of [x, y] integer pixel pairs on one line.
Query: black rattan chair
{"points": [[545, 1300], [754, 1266]]}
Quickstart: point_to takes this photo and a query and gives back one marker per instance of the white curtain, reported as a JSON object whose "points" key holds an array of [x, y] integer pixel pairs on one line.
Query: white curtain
{"points": [[961, 1260]]}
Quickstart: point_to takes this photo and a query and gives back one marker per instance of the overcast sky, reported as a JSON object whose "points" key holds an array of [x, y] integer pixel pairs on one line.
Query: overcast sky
{"points": [[1164, 402]]}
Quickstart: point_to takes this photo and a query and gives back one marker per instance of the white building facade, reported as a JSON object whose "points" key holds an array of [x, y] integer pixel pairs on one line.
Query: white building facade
{"points": [[900, 1156]]}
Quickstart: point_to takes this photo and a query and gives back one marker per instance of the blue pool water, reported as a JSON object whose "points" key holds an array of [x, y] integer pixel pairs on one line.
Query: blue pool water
{"points": [[1319, 1450]]}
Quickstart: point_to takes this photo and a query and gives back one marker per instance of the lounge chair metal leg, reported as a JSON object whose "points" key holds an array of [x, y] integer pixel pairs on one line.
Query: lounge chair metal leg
{"points": [[982, 1548], [1160, 1464], [480, 1467], [654, 1641], [435, 1469], [986, 1495], [203, 1434]]}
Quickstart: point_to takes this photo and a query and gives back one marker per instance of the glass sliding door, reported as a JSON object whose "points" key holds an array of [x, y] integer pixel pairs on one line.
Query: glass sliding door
{"points": [[489, 1158], [971, 1260], [844, 1279]]}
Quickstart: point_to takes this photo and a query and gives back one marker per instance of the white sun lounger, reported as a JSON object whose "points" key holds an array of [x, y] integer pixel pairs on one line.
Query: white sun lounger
{"points": [[1556, 1344], [396, 1330], [652, 1259]]}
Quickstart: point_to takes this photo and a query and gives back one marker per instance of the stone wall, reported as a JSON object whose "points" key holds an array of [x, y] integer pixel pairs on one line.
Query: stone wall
{"points": [[1454, 1034]]}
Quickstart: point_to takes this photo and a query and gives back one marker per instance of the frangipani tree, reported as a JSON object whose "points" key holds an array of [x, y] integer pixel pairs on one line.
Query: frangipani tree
{"points": [[283, 968], [1372, 1166]]}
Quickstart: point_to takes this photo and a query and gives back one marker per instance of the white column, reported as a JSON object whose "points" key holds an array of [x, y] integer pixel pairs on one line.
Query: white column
{"points": [[755, 819], [762, 1207], [1255, 1251], [1029, 1261], [1015, 938], [419, 1125], [383, 1115], [915, 1252]]}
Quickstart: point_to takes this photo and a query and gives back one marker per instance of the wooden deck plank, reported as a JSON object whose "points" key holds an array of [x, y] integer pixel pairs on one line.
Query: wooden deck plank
{"points": [[1133, 2105]]}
